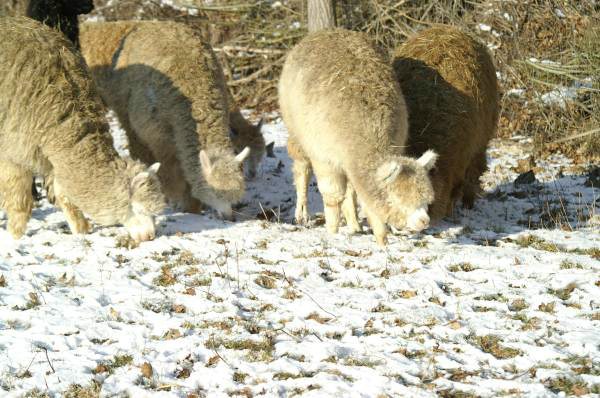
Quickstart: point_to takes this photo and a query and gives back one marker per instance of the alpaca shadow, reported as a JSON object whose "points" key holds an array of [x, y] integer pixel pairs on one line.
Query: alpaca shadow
{"points": [[563, 203]]}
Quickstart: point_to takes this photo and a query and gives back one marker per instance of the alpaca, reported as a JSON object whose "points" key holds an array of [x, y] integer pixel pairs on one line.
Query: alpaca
{"points": [[52, 123], [347, 121], [169, 92], [451, 91]]}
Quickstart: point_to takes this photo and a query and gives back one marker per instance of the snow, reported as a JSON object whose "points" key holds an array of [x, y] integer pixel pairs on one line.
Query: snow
{"points": [[324, 315]]}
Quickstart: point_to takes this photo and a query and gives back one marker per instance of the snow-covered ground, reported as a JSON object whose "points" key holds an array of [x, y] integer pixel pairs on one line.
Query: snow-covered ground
{"points": [[486, 304]]}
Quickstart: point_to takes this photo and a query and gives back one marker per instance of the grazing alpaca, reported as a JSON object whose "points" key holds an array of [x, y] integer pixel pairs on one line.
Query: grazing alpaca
{"points": [[52, 123], [169, 93], [450, 87], [346, 118]]}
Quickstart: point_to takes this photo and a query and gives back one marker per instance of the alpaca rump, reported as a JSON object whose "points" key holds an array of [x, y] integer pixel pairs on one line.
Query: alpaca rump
{"points": [[449, 83], [347, 121], [52, 123], [60, 14], [169, 93]]}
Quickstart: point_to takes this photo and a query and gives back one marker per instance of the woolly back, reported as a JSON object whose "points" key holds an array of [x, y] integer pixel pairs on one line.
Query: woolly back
{"points": [[346, 73], [101, 40], [45, 71], [450, 83]]}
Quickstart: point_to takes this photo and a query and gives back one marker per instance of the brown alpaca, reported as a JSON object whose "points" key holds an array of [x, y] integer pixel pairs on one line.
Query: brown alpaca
{"points": [[347, 120], [450, 87], [52, 123]]}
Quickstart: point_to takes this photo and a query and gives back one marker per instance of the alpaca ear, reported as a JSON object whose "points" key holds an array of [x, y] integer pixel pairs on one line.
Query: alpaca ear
{"points": [[388, 171], [240, 157], [154, 168], [205, 162], [428, 159], [269, 149]]}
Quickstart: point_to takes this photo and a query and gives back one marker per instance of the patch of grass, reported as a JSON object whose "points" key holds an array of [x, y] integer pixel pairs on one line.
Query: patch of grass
{"points": [[454, 393], [366, 362], [381, 308], [265, 281], [79, 391], [493, 297], [567, 264], [239, 377], [405, 294], [518, 305], [290, 294], [565, 292], [528, 323], [258, 350], [166, 277], [117, 362], [464, 267], [343, 376], [536, 243], [491, 345], [318, 318], [593, 252], [570, 386], [36, 393], [201, 281], [547, 307]]}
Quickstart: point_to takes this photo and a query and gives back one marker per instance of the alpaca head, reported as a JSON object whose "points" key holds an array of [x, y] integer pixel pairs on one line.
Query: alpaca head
{"points": [[408, 190], [224, 179], [253, 138], [145, 202]]}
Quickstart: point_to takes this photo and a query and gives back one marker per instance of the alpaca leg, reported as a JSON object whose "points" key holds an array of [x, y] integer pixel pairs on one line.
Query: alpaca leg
{"points": [[302, 173], [472, 188], [15, 194], [379, 227], [332, 184], [75, 218], [349, 209]]}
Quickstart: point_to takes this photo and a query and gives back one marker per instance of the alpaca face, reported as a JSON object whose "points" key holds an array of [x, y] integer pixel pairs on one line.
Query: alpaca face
{"points": [[223, 174], [146, 201], [409, 191]]}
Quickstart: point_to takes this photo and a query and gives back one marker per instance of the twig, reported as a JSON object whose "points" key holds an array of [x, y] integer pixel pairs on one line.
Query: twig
{"points": [[48, 359], [574, 136], [255, 50]]}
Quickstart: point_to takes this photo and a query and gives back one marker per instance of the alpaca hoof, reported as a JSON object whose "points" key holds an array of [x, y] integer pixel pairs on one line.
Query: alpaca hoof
{"points": [[16, 231], [301, 216], [381, 240], [82, 227]]}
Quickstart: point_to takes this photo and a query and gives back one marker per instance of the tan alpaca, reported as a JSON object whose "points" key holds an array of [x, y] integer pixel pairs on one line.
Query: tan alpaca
{"points": [[162, 81], [449, 83], [346, 118], [52, 123]]}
